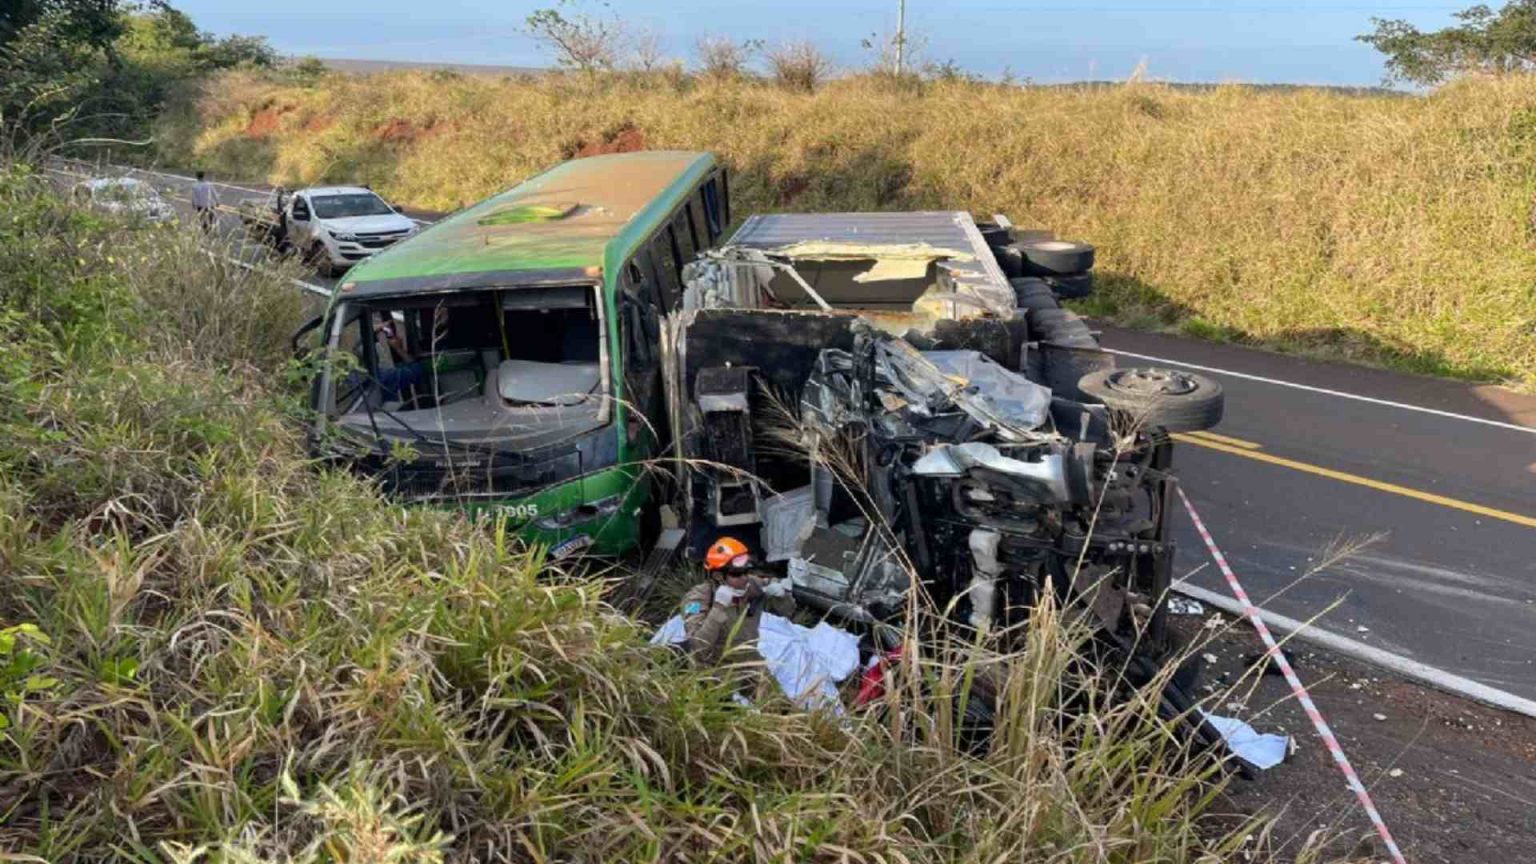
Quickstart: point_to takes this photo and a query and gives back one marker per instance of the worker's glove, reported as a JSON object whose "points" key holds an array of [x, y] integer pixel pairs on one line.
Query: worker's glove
{"points": [[776, 587], [725, 595]]}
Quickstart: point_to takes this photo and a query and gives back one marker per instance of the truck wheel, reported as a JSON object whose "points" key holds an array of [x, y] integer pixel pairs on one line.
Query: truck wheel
{"points": [[1073, 287], [1175, 400], [319, 259], [1044, 324], [1010, 260], [1033, 293], [1055, 257]]}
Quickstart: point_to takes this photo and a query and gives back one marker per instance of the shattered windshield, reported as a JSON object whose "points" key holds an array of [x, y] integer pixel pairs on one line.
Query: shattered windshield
{"points": [[523, 364], [349, 205]]}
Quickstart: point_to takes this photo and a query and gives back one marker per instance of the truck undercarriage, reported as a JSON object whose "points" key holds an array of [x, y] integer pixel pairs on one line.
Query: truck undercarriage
{"points": [[984, 458]]}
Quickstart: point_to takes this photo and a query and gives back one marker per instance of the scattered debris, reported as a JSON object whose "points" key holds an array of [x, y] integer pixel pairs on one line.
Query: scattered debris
{"points": [[1261, 750], [1262, 659], [1185, 606], [807, 662]]}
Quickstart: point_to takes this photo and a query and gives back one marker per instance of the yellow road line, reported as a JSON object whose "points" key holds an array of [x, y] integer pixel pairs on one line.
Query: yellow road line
{"points": [[1227, 440], [1392, 488]]}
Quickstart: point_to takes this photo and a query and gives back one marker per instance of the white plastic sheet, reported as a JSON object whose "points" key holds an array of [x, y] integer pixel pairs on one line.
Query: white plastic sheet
{"points": [[807, 662], [1262, 750]]}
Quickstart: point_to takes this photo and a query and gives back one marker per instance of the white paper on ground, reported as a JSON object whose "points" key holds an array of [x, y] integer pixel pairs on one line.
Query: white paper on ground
{"points": [[807, 662], [1261, 750]]}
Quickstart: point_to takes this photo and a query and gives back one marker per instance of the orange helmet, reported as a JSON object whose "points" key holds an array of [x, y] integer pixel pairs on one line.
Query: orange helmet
{"points": [[727, 553]]}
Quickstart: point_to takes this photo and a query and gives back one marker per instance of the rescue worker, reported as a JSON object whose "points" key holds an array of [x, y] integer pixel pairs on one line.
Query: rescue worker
{"points": [[724, 611]]}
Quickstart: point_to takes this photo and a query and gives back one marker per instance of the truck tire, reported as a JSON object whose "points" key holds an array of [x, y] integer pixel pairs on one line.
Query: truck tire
{"points": [[1073, 287], [1033, 293], [1177, 401], [1010, 260], [319, 259], [993, 234], [1056, 257], [1065, 364], [1047, 324]]}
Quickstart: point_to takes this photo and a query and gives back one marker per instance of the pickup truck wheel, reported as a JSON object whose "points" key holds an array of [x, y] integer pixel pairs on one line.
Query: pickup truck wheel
{"points": [[1175, 400], [319, 259], [1055, 257]]}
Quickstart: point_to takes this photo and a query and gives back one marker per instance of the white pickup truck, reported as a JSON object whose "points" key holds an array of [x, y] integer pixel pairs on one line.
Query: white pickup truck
{"points": [[333, 227]]}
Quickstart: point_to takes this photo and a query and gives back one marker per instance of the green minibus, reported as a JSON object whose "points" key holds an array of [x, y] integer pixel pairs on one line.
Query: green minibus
{"points": [[507, 359]]}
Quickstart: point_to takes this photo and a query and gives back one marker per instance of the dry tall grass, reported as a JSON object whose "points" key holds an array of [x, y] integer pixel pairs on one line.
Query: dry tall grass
{"points": [[240, 656], [1387, 229]]}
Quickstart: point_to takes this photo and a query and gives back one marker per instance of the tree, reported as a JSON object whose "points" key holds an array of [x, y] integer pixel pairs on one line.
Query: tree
{"points": [[91, 23], [1484, 41], [799, 66], [579, 40], [725, 59], [104, 68]]}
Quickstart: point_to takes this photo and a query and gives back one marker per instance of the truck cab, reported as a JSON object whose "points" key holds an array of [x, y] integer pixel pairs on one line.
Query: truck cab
{"points": [[874, 399]]}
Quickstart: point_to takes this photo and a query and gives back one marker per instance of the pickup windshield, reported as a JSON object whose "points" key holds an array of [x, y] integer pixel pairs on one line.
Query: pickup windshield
{"points": [[350, 204], [519, 367]]}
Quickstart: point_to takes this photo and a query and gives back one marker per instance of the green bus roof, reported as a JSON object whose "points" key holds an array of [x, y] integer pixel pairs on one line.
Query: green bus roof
{"points": [[570, 221]]}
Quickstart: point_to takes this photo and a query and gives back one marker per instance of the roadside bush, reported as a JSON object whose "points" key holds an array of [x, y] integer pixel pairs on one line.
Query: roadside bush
{"points": [[799, 66], [251, 658], [723, 59]]}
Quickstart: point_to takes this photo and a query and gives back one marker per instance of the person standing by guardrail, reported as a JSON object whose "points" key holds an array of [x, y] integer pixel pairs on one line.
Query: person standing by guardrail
{"points": [[205, 202]]}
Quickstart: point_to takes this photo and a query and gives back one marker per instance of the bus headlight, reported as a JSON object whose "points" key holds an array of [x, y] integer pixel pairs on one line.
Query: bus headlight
{"points": [[588, 512]]}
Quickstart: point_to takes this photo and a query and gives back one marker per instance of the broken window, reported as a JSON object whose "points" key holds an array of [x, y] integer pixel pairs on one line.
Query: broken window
{"points": [[475, 365], [666, 260], [709, 197]]}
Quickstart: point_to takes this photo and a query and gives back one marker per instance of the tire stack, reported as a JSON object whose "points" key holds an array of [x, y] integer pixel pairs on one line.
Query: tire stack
{"points": [[1060, 351], [1062, 266]]}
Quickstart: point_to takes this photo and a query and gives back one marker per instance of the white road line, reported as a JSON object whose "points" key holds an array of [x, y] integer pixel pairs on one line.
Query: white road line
{"points": [[1515, 427], [1439, 679]]}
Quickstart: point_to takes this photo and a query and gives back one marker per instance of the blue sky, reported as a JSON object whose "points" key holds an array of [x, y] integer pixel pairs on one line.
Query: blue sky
{"points": [[1265, 41]]}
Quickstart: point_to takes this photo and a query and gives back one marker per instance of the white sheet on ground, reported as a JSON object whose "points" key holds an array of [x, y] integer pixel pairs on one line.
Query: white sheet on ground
{"points": [[806, 661], [1262, 750]]}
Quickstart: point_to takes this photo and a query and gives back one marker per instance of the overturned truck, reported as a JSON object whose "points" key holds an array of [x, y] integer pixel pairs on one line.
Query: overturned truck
{"points": [[878, 398]]}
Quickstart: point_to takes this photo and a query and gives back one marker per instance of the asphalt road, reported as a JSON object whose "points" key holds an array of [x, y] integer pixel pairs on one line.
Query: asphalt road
{"points": [[1432, 497], [1437, 513]]}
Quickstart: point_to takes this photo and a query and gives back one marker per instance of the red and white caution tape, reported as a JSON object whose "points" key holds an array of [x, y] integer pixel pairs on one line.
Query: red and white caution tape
{"points": [[1272, 648]]}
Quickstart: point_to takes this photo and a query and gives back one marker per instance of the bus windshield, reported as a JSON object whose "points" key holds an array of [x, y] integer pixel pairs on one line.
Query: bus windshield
{"points": [[516, 366]]}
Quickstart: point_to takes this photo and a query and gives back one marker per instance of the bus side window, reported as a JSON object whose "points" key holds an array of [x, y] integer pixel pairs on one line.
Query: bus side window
{"points": [[725, 197], [709, 196], [700, 241], [664, 257], [640, 323], [639, 315], [683, 237]]}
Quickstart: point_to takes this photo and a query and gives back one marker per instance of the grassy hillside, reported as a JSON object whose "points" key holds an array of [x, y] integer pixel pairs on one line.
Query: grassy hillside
{"points": [[213, 650], [1380, 228]]}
